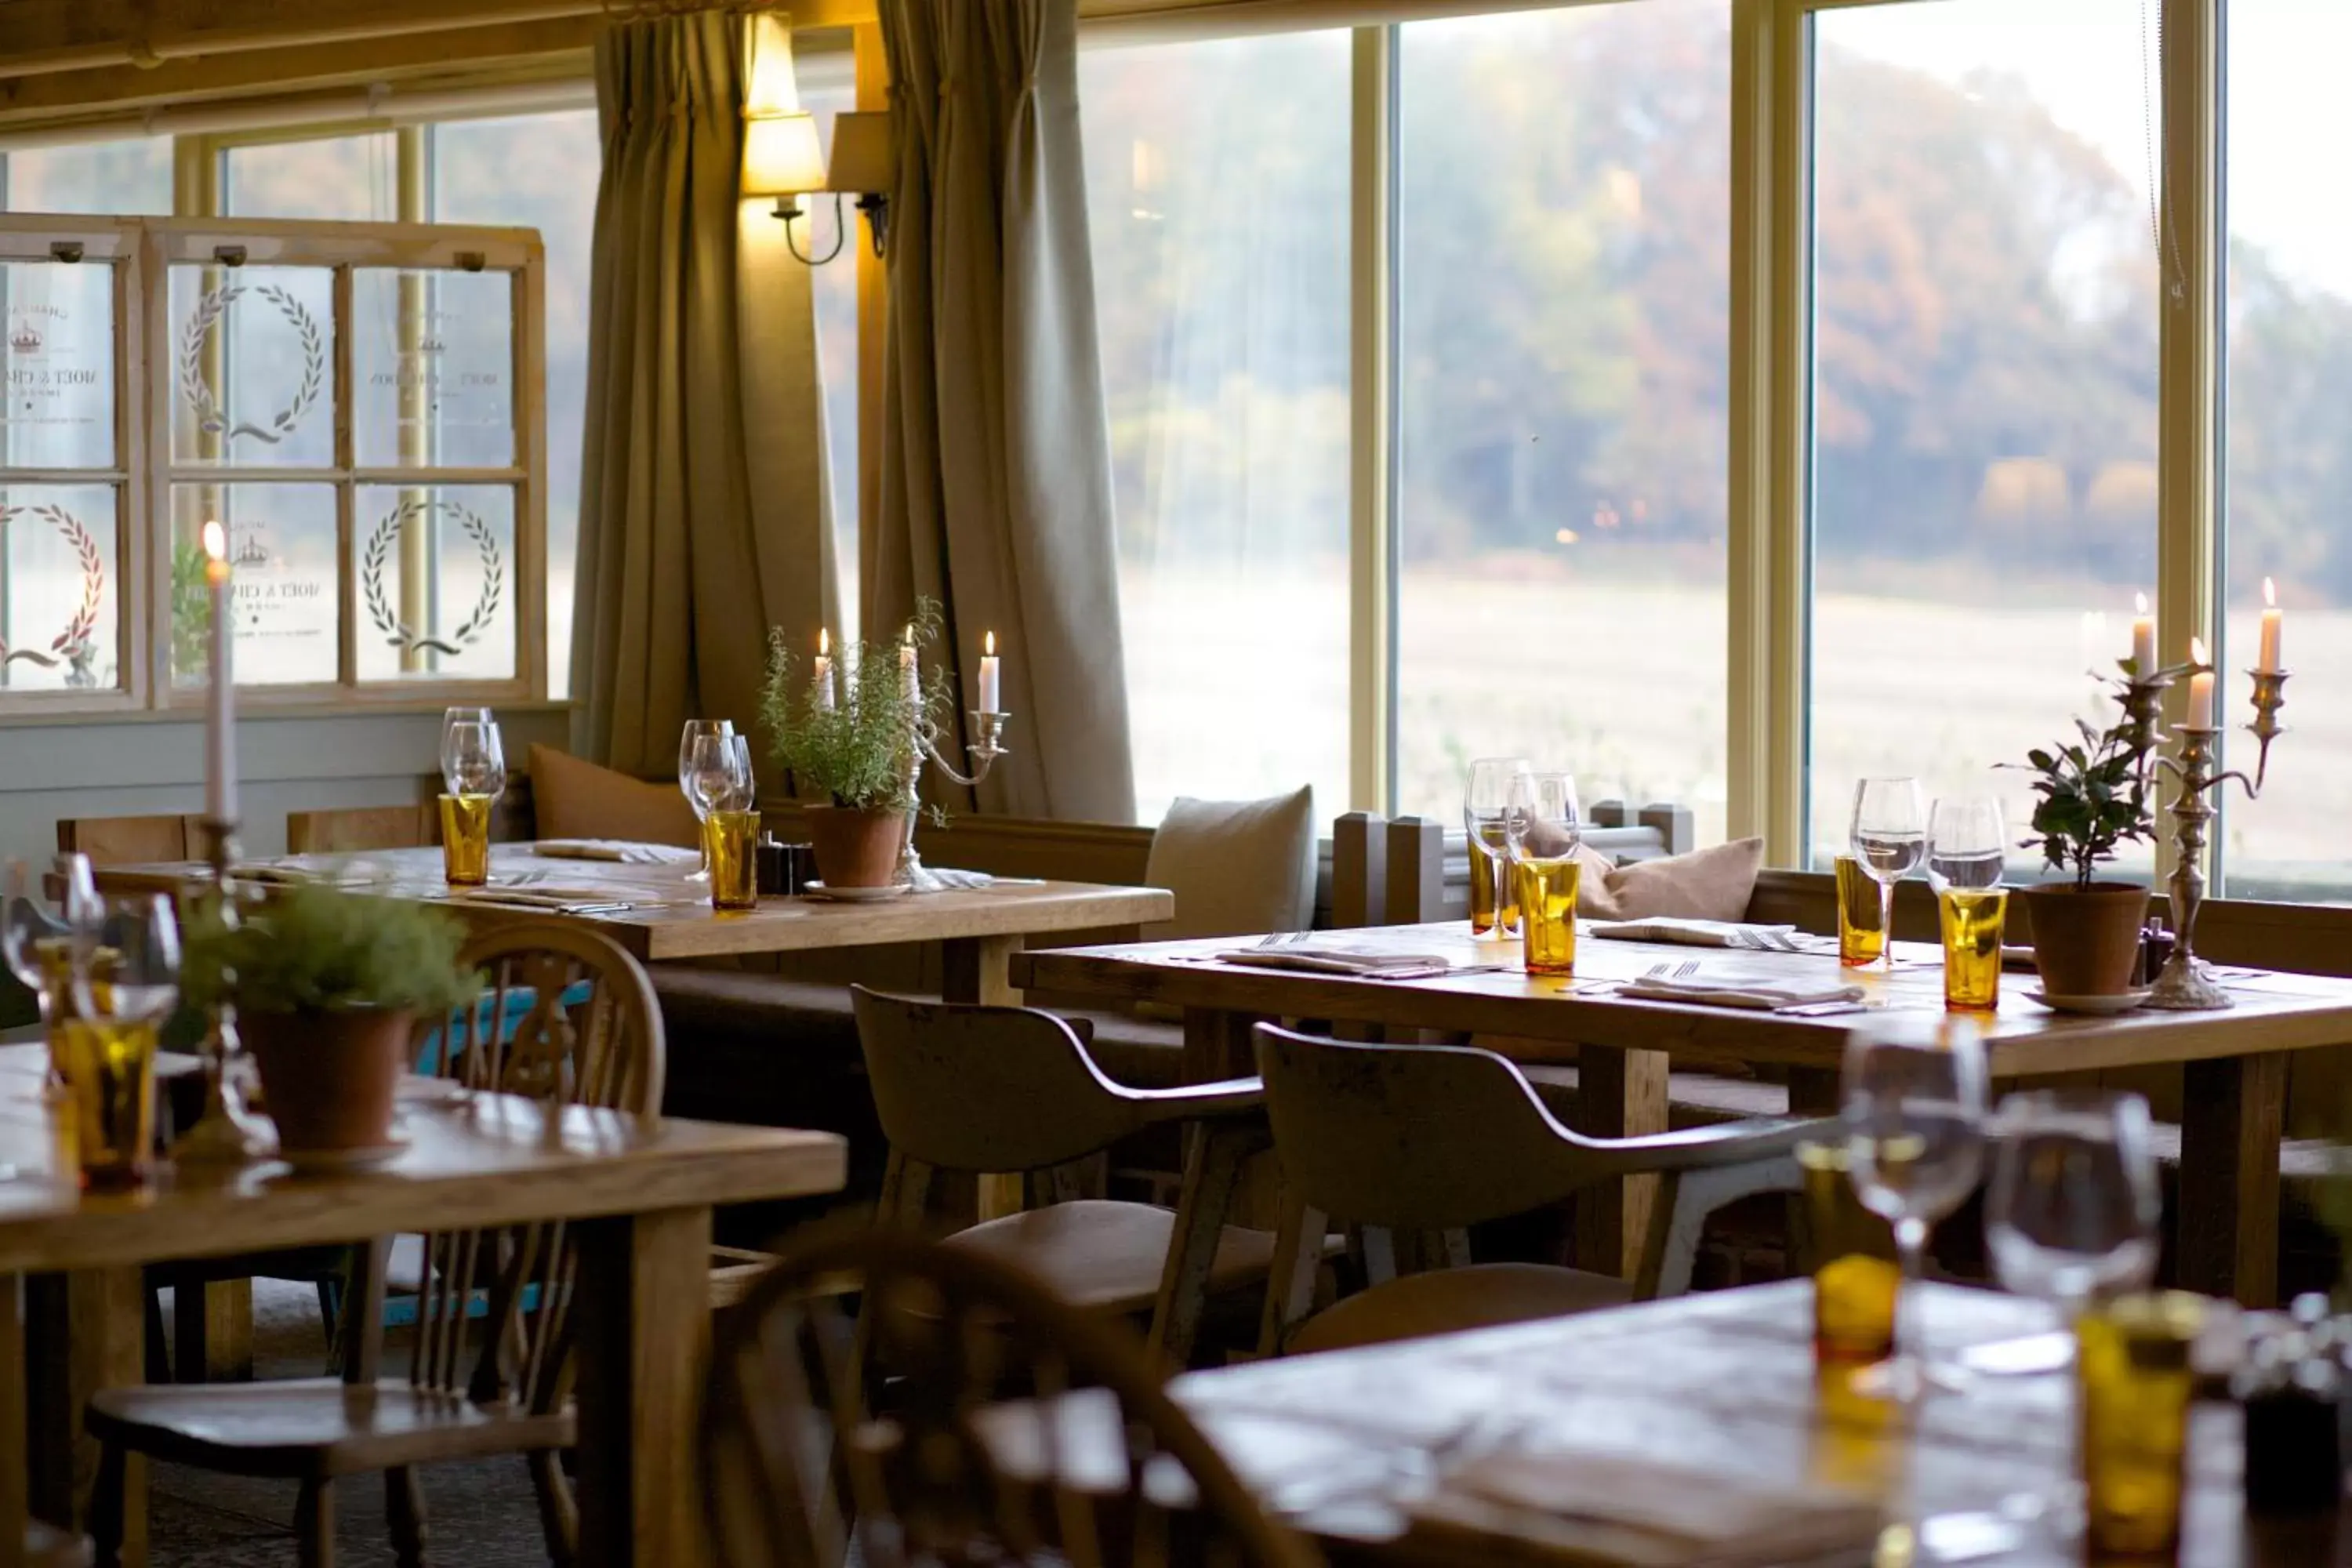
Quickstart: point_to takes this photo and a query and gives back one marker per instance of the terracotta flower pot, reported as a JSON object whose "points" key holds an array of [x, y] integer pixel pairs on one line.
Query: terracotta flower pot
{"points": [[856, 848], [2085, 940], [330, 1077]]}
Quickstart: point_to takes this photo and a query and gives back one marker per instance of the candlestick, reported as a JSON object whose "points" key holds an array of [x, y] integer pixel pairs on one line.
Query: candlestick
{"points": [[821, 673], [2201, 688], [989, 685], [225, 1131], [2142, 636], [2272, 619], [220, 730]]}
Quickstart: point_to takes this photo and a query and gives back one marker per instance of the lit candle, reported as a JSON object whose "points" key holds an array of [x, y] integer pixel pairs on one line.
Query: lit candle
{"points": [[2201, 688], [910, 679], [821, 674], [989, 692], [220, 724], [2143, 638], [2273, 619]]}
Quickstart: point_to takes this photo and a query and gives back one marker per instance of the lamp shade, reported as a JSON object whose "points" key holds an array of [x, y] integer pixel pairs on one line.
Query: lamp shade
{"points": [[781, 156], [863, 160]]}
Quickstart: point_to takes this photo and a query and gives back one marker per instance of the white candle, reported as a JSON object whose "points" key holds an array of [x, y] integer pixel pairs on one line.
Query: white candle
{"points": [[910, 679], [220, 725], [821, 675], [990, 689], [2272, 624], [2143, 638], [2201, 688]]}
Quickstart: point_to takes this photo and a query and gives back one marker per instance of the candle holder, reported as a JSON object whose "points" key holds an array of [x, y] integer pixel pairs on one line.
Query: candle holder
{"points": [[2184, 985], [225, 1131], [923, 748]]}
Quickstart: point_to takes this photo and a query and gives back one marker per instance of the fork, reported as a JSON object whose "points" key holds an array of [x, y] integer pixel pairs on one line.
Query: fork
{"points": [[1672, 971], [1283, 937]]}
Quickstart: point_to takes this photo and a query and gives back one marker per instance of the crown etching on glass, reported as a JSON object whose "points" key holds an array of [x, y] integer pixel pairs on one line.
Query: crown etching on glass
{"points": [[431, 345], [252, 552], [27, 338]]}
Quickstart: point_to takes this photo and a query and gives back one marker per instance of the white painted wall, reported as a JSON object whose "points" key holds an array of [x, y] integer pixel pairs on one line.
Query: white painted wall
{"points": [[87, 768]]}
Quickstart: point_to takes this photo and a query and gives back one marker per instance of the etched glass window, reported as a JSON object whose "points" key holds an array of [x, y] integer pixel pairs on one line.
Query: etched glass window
{"points": [[433, 376], [285, 586], [253, 380], [60, 586], [436, 581]]}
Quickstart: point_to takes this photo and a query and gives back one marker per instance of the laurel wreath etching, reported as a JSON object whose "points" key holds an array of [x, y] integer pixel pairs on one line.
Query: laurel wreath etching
{"points": [[72, 644], [380, 608], [198, 391]]}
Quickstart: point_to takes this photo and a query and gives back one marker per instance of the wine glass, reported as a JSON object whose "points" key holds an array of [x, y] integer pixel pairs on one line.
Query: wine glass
{"points": [[450, 719], [695, 729], [1889, 838], [39, 946], [1485, 801], [1914, 1112], [126, 982], [1967, 846], [2073, 1211], [1542, 820], [1543, 826], [473, 760], [718, 773]]}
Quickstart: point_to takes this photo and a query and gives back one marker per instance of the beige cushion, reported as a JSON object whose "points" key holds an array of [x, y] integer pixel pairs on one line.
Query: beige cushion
{"points": [[576, 799], [1712, 884], [1236, 867], [1447, 1300]]}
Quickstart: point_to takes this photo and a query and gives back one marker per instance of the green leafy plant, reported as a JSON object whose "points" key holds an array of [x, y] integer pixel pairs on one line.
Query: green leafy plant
{"points": [[2093, 799], [852, 749], [192, 612], [320, 948]]}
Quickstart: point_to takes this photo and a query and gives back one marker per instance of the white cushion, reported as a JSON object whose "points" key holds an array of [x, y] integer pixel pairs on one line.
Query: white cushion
{"points": [[1236, 867]]}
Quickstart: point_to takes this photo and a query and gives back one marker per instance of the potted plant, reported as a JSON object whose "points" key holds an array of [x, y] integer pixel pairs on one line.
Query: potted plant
{"points": [[328, 986], [841, 734], [2093, 799]]}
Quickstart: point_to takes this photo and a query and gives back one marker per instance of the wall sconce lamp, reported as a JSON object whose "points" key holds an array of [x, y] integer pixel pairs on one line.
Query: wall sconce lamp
{"points": [[782, 158]]}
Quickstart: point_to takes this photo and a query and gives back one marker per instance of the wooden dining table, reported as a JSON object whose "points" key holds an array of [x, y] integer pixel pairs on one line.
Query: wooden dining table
{"points": [[642, 1189], [1718, 1387], [2235, 1060]]}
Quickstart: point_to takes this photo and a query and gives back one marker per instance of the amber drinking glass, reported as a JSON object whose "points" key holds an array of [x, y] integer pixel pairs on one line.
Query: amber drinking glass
{"points": [[1856, 1273], [2132, 1369], [1543, 826], [1861, 938], [1972, 923], [466, 839], [1494, 897], [125, 984], [731, 847]]}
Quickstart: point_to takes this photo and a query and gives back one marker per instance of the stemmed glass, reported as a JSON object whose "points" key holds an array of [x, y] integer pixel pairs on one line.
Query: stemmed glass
{"points": [[1543, 825], [473, 759], [1889, 838], [696, 730], [1485, 801], [39, 946], [126, 982], [1915, 1112], [717, 774], [450, 719], [1966, 845]]}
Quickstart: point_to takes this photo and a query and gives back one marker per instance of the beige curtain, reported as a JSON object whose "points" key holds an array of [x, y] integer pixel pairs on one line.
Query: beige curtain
{"points": [[996, 496], [704, 513]]}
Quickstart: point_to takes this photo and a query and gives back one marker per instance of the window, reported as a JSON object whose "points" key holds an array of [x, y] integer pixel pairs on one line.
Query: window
{"points": [[1217, 182], [1984, 388], [2288, 486], [351, 177], [131, 176], [1564, 192]]}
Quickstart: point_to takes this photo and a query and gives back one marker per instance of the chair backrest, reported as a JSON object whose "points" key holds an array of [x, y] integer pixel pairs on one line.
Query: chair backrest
{"points": [[985, 1089], [131, 840], [357, 828], [1089, 1463], [604, 1050]]}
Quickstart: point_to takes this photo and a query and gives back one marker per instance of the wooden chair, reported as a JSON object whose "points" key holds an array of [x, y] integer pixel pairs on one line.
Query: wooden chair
{"points": [[511, 1393], [1010, 1090], [806, 1469], [358, 828], [1420, 1140], [131, 840]]}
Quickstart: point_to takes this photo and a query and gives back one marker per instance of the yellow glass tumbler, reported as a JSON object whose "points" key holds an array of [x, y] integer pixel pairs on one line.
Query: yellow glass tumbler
{"points": [[110, 1070], [1546, 888], [2132, 1369], [1857, 1276], [730, 844], [1972, 923], [1862, 936], [466, 839]]}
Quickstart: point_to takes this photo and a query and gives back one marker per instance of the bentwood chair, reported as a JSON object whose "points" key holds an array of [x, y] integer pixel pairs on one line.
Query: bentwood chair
{"points": [[510, 1289], [1414, 1140], [812, 1460], [131, 840], [1010, 1090]]}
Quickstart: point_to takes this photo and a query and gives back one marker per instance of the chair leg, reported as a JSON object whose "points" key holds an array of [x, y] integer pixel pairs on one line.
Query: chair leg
{"points": [[404, 1509], [159, 1354], [558, 1512], [314, 1525], [330, 1314], [1212, 1169], [108, 1502]]}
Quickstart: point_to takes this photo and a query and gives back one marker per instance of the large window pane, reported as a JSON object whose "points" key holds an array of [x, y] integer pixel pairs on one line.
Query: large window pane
{"points": [[2289, 480], [1217, 189], [1562, 340], [60, 588], [355, 177], [1985, 387], [827, 91], [128, 176]]}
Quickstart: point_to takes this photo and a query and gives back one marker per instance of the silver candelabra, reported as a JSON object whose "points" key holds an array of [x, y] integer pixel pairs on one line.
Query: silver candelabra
{"points": [[2184, 986], [225, 1131], [922, 749]]}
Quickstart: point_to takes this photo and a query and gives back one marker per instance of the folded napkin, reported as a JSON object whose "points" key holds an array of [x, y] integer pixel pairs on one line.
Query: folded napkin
{"points": [[543, 896], [1602, 1511], [620, 850], [1365, 963], [1687, 932], [948, 879], [1760, 992]]}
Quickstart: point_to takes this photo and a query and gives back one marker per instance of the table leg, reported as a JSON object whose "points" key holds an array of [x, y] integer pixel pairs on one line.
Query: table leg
{"points": [[1814, 1092], [89, 1333], [14, 1440], [1218, 1045], [979, 968], [1619, 1094], [2227, 1242], [212, 1329], [644, 1339]]}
